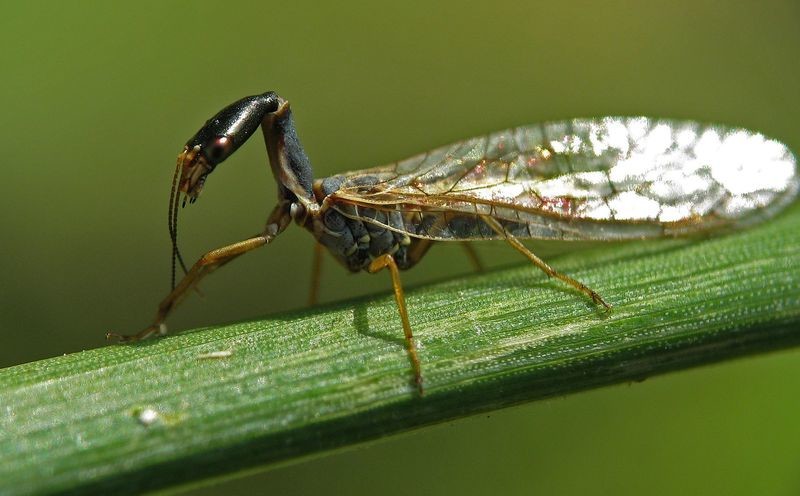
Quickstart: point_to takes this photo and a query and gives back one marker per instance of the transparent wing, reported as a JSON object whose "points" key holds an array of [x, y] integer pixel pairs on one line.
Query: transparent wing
{"points": [[584, 179]]}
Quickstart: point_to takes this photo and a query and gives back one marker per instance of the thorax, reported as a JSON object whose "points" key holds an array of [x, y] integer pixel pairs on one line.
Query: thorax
{"points": [[354, 234]]}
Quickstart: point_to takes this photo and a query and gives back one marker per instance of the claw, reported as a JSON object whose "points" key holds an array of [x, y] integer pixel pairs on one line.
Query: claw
{"points": [[155, 329], [418, 382]]}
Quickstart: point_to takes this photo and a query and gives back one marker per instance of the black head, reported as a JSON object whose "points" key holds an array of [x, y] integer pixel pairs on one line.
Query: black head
{"points": [[219, 137]]}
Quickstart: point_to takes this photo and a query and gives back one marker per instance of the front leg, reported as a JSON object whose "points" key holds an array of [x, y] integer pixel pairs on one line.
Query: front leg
{"points": [[204, 266]]}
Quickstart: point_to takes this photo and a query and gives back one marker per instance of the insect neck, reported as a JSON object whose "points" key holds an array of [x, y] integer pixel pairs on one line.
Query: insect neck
{"points": [[290, 165]]}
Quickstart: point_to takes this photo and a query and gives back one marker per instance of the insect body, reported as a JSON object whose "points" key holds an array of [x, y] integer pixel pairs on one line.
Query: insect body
{"points": [[612, 178]]}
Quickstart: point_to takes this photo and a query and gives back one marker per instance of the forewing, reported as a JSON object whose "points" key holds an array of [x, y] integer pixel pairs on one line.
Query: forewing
{"points": [[584, 179]]}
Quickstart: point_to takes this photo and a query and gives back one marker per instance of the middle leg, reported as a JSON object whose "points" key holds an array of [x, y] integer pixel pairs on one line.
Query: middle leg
{"points": [[387, 262]]}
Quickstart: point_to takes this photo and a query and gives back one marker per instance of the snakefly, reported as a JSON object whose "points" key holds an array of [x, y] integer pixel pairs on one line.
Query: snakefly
{"points": [[613, 178]]}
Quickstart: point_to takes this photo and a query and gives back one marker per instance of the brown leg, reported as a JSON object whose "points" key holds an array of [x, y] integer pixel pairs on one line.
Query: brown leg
{"points": [[206, 264], [387, 262], [316, 270], [473, 256], [513, 241]]}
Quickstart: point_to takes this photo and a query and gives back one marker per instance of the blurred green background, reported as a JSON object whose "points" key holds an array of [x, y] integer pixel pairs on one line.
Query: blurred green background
{"points": [[98, 99]]}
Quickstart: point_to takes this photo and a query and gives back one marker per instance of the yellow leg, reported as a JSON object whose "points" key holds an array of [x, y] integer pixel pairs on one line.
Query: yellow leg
{"points": [[205, 265], [513, 241], [316, 270], [387, 262]]}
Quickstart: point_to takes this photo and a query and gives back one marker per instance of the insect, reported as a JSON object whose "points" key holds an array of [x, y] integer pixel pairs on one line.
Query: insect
{"points": [[613, 178]]}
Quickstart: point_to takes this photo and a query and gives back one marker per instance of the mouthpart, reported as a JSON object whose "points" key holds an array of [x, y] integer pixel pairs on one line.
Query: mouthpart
{"points": [[194, 169]]}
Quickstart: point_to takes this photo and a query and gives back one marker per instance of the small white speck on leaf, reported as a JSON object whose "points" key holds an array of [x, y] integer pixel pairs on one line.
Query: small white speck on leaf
{"points": [[150, 417], [147, 417]]}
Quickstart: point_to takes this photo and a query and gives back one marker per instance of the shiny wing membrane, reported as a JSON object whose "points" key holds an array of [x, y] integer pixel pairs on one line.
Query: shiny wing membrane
{"points": [[586, 179]]}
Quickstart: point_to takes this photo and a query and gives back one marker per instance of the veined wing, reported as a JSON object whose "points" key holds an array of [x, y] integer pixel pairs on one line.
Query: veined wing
{"points": [[583, 179]]}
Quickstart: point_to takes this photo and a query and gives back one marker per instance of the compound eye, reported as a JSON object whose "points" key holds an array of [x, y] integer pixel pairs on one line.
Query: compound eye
{"points": [[219, 149]]}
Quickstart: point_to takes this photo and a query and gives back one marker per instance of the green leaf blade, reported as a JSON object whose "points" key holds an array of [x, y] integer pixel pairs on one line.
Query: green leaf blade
{"points": [[303, 382]]}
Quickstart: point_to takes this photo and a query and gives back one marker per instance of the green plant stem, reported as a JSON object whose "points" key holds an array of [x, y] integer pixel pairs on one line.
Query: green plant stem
{"points": [[303, 382]]}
